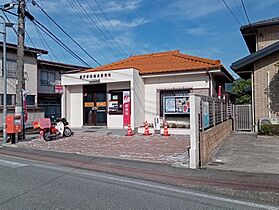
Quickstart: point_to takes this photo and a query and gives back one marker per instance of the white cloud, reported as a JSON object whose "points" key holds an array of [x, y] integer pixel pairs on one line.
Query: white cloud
{"points": [[120, 6], [194, 9], [122, 25], [196, 31]]}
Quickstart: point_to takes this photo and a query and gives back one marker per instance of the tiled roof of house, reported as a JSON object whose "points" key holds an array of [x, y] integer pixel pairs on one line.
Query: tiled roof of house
{"points": [[267, 22], [163, 62]]}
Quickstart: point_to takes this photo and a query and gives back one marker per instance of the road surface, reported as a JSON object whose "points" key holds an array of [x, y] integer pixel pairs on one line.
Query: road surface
{"points": [[26, 184]]}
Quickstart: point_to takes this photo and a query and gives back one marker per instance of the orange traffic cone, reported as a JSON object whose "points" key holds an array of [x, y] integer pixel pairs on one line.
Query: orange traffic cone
{"points": [[146, 129], [129, 132], [166, 131]]}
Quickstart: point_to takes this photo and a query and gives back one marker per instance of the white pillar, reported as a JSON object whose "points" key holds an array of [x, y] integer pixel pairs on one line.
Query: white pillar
{"points": [[63, 102], [194, 131]]}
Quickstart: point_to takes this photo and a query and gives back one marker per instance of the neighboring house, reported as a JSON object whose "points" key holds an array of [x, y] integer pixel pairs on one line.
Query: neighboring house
{"points": [[30, 75], [49, 75], [40, 78], [139, 88], [262, 39]]}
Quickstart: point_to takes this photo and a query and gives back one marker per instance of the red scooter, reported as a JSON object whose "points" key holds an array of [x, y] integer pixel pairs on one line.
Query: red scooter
{"points": [[50, 130]]}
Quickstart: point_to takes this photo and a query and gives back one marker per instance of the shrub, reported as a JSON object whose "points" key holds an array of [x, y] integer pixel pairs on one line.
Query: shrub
{"points": [[270, 130]]}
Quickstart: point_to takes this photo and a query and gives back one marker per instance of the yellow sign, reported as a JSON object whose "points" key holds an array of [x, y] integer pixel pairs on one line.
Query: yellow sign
{"points": [[101, 104], [88, 104]]}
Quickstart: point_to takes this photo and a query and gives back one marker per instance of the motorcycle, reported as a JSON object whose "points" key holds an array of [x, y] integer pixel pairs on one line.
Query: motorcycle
{"points": [[60, 128]]}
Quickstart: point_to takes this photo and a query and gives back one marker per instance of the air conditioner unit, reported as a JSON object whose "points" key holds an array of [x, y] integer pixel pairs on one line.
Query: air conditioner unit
{"points": [[274, 120]]}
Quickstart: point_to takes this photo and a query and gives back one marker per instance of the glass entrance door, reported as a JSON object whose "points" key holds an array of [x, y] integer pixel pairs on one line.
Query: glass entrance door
{"points": [[95, 105]]}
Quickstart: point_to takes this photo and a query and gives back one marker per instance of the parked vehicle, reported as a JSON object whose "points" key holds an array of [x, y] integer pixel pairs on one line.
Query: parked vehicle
{"points": [[53, 130]]}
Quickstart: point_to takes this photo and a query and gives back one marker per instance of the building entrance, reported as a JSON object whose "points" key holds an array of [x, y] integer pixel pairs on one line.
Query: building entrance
{"points": [[95, 105]]}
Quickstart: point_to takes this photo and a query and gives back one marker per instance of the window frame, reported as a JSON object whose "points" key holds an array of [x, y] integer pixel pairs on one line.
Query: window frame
{"points": [[10, 74], [46, 81]]}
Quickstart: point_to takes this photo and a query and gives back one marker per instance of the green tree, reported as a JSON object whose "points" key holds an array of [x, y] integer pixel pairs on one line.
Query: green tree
{"points": [[242, 89]]}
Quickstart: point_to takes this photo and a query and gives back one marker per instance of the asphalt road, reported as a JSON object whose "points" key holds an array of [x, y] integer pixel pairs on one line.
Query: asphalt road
{"points": [[28, 184]]}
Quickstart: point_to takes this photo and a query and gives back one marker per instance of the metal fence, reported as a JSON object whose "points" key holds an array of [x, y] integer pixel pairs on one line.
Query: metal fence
{"points": [[243, 117], [213, 112]]}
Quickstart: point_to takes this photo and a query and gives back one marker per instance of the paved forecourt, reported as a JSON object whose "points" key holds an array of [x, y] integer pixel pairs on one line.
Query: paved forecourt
{"points": [[154, 148]]}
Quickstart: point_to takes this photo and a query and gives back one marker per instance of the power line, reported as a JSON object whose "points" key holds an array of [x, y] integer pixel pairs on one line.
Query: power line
{"points": [[45, 44], [58, 41], [85, 16], [43, 67], [91, 24], [121, 44], [50, 34], [117, 34], [66, 33], [98, 28], [90, 27], [244, 8], [240, 12], [232, 12]]}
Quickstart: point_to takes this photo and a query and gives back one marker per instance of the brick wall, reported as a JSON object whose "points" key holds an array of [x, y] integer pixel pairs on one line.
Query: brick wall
{"points": [[261, 68], [211, 139], [267, 36]]}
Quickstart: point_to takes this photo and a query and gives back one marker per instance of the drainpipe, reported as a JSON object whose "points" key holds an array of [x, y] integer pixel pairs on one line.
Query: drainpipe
{"points": [[268, 92], [253, 102]]}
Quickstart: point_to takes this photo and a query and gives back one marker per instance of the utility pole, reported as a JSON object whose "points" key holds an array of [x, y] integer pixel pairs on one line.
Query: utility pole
{"points": [[4, 32], [20, 86]]}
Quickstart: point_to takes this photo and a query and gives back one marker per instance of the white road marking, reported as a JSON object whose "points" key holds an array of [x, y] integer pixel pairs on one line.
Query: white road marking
{"points": [[11, 164], [160, 187]]}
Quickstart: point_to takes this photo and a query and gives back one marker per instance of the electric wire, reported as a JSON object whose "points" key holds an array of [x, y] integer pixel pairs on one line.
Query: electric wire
{"points": [[45, 44], [84, 16], [15, 31], [239, 9], [52, 36], [237, 20], [246, 13], [102, 37], [67, 34], [58, 41], [109, 23], [98, 28], [90, 27], [119, 43]]}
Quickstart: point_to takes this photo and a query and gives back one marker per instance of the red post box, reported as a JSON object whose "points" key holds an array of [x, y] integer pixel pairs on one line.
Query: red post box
{"points": [[13, 124]]}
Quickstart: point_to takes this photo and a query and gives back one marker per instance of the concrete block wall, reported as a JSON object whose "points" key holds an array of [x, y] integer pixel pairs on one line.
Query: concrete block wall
{"points": [[211, 139]]}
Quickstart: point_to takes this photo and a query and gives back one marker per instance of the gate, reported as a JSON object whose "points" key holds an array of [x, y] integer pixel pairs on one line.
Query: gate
{"points": [[243, 117]]}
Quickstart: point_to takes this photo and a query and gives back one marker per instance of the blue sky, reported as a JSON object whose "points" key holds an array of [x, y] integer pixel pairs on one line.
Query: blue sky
{"points": [[197, 27]]}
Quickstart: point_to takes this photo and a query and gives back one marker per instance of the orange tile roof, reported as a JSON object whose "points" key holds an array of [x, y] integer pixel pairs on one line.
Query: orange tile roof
{"points": [[170, 61]]}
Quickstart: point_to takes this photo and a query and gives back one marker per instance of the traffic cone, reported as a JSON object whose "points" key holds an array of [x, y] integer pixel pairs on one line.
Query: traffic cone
{"points": [[166, 130], [146, 129], [129, 132]]}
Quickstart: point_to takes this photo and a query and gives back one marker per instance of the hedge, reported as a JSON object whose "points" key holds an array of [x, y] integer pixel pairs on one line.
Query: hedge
{"points": [[270, 130]]}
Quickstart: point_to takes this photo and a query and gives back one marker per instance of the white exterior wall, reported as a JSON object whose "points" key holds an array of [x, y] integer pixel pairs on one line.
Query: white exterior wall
{"points": [[138, 99], [145, 99], [116, 121], [72, 109], [153, 85], [72, 99]]}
